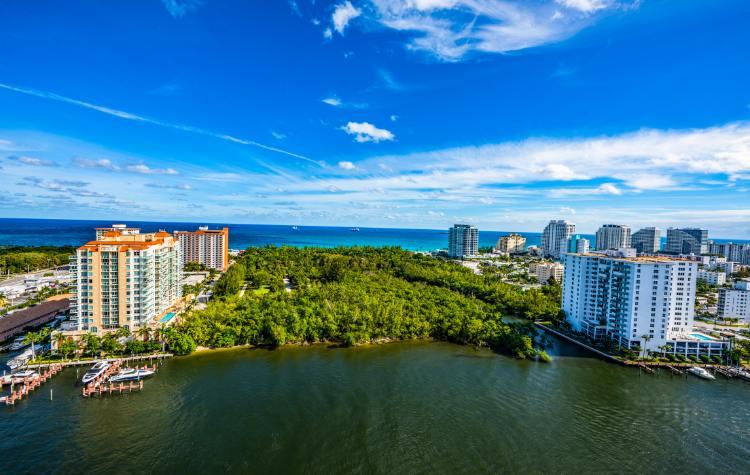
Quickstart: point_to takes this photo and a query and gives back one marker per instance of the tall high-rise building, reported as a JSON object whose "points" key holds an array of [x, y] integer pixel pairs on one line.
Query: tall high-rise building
{"points": [[646, 240], [612, 236], [125, 280], [512, 244], [555, 238], [578, 244], [686, 241], [638, 302], [463, 241], [209, 247]]}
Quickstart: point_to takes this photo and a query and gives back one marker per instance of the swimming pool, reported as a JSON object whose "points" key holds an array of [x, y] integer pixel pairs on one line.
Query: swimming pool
{"points": [[701, 336], [167, 317]]}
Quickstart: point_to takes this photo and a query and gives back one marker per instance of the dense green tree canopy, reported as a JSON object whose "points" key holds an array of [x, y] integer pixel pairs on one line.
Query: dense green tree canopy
{"points": [[361, 294]]}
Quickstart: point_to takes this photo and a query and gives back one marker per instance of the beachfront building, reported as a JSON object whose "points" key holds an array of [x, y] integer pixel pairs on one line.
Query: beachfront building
{"points": [[578, 244], [544, 271], [712, 277], [686, 241], [511, 244], [125, 280], [640, 303], [612, 236], [646, 240], [735, 302], [555, 238], [120, 228], [209, 247], [720, 264], [463, 241]]}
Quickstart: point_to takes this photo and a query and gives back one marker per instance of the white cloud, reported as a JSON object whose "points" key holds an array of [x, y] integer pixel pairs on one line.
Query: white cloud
{"points": [[366, 132], [343, 14], [146, 170], [327, 33], [587, 6], [449, 29], [104, 163], [181, 186], [33, 161], [346, 165], [332, 101], [394, 118]]}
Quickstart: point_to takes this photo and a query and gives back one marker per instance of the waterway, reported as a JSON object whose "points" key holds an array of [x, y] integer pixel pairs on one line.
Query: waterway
{"points": [[394, 408]]}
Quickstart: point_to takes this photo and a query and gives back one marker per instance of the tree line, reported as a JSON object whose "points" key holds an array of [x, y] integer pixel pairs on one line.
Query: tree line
{"points": [[361, 294]]}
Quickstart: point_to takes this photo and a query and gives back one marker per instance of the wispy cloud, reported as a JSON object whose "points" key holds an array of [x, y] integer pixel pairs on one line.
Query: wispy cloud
{"points": [[165, 186], [103, 163], [450, 29], [366, 132], [134, 117], [345, 165], [144, 169], [33, 161], [178, 8], [331, 101]]}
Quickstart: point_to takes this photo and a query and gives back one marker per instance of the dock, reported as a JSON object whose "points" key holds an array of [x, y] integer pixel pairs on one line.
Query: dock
{"points": [[29, 384], [66, 363], [101, 385]]}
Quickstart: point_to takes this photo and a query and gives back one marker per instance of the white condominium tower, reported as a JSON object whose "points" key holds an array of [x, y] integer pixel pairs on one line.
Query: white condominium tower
{"points": [[638, 302], [646, 240], [612, 236], [205, 246], [125, 280], [512, 244], [555, 238], [463, 241]]}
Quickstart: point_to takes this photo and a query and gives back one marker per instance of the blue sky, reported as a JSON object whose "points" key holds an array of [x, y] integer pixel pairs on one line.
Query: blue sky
{"points": [[395, 113]]}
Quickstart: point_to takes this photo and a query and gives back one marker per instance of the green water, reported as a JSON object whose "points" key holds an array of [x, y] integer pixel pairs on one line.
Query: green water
{"points": [[397, 408]]}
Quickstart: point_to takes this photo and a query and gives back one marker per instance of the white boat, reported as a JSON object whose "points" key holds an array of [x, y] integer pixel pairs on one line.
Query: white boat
{"points": [[744, 374], [21, 376], [23, 358], [701, 373], [18, 344], [354, 229], [131, 374], [95, 371]]}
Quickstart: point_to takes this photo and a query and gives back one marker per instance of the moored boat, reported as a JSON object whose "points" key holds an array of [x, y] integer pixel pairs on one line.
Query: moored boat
{"points": [[95, 371], [23, 358], [18, 344], [701, 373], [131, 374], [22, 376]]}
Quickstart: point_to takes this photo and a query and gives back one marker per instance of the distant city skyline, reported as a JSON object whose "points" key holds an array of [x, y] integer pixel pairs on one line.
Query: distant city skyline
{"points": [[379, 113]]}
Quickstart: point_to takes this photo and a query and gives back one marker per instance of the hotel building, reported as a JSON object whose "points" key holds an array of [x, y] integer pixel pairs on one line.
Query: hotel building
{"points": [[463, 241], [638, 302], [712, 277], [512, 244], [209, 247], [125, 279], [544, 271]]}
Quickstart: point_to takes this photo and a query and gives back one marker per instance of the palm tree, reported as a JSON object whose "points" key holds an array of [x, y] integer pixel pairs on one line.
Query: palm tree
{"points": [[122, 332], [144, 332], [32, 338], [59, 339], [646, 338]]}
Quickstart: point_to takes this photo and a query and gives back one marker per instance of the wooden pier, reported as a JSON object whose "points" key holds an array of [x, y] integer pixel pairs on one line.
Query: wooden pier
{"points": [[101, 385], [29, 384], [156, 356]]}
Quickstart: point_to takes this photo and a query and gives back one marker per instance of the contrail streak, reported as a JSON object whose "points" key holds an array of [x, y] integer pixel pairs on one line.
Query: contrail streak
{"points": [[140, 118]]}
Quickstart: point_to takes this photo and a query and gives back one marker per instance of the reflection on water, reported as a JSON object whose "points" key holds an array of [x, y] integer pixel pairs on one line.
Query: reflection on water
{"points": [[403, 408]]}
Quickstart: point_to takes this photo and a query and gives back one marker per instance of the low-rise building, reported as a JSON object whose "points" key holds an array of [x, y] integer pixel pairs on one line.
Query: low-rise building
{"points": [[14, 323], [712, 277], [544, 271], [735, 302]]}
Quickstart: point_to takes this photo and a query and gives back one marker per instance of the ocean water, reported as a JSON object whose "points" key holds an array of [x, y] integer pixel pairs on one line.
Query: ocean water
{"points": [[60, 232]]}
